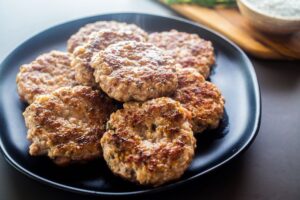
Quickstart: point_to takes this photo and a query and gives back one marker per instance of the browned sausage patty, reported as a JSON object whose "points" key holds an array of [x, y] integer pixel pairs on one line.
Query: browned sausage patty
{"points": [[150, 143], [67, 124], [83, 33], [135, 71], [45, 74], [202, 98], [187, 49], [96, 42]]}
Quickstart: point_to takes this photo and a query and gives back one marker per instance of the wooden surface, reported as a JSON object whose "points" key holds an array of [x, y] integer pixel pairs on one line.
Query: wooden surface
{"points": [[229, 22]]}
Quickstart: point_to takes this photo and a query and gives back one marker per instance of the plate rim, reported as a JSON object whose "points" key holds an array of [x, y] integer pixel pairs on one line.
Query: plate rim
{"points": [[241, 149]]}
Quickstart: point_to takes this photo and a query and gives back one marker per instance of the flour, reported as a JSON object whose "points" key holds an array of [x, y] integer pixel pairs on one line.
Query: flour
{"points": [[279, 8]]}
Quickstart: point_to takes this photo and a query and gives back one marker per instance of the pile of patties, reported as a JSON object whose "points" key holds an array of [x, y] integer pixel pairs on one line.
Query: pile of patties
{"points": [[136, 99]]}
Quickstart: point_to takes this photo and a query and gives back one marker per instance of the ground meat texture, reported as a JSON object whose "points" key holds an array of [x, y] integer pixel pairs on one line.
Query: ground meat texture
{"points": [[187, 49], [83, 33], [149, 143], [67, 124], [202, 98], [133, 70], [45, 74], [96, 42]]}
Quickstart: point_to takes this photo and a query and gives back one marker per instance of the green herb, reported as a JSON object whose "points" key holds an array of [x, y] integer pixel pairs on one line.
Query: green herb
{"points": [[206, 3]]}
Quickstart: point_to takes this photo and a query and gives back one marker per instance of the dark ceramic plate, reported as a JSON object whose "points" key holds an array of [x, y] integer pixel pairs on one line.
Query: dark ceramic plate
{"points": [[233, 74]]}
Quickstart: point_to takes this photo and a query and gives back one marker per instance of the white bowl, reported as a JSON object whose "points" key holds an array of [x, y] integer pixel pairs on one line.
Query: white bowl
{"points": [[268, 23]]}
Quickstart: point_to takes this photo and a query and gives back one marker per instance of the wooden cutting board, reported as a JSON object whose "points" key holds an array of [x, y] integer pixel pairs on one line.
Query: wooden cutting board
{"points": [[231, 23]]}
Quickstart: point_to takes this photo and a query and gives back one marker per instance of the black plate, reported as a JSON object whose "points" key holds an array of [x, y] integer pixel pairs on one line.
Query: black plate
{"points": [[233, 74]]}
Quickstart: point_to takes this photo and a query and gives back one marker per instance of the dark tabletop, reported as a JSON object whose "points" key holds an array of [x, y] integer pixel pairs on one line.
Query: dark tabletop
{"points": [[270, 169]]}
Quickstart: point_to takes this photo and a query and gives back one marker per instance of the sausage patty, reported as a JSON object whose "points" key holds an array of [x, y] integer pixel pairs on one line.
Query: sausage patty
{"points": [[96, 42], [202, 98], [150, 143], [67, 124], [187, 49], [84, 32], [133, 70], [44, 75]]}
